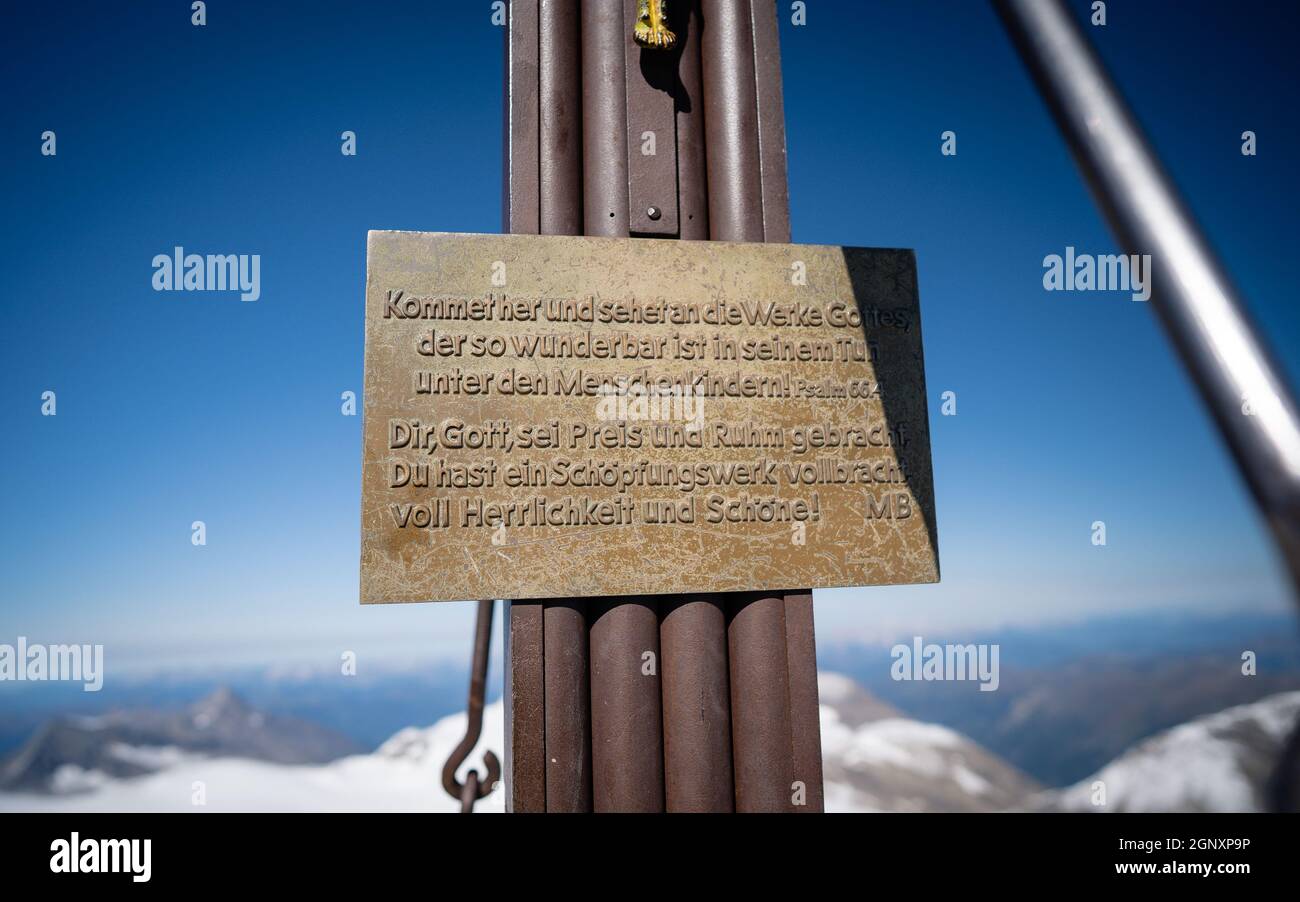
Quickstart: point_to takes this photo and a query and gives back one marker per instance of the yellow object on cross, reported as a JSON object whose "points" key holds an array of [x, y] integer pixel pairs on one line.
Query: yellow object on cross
{"points": [[651, 25]]}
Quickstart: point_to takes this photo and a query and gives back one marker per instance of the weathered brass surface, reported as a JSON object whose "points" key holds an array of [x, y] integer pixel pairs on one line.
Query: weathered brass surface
{"points": [[548, 417]]}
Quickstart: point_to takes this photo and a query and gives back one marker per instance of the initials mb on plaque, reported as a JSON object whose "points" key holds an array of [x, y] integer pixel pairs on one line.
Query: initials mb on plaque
{"points": [[548, 417]]}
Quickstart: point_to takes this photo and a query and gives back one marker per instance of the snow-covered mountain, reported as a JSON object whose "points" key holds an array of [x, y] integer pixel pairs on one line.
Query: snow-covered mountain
{"points": [[1220, 762], [401, 775], [76, 753], [875, 759]]}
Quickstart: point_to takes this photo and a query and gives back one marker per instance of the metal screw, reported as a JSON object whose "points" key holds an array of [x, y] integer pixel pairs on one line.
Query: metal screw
{"points": [[654, 213]]}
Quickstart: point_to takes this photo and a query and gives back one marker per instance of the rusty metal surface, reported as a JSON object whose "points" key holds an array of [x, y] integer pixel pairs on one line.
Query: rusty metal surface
{"points": [[525, 765], [604, 119], [564, 628], [651, 82], [805, 720], [692, 178], [627, 764], [469, 793], [731, 121], [761, 734], [522, 197], [697, 705], [694, 659], [560, 118], [476, 785], [525, 726], [627, 741], [748, 200], [693, 632], [801, 643], [567, 706], [771, 122]]}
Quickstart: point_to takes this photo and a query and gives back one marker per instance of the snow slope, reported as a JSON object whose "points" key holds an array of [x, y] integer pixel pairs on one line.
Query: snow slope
{"points": [[401, 775], [875, 760], [1219, 762]]}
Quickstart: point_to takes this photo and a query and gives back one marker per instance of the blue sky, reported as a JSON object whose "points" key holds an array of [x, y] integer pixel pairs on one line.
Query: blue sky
{"points": [[225, 139]]}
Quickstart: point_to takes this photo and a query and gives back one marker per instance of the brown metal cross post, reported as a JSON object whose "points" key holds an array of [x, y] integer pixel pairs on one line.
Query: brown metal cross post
{"points": [[654, 703]]}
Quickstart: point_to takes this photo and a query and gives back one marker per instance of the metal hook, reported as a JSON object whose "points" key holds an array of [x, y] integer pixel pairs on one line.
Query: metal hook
{"points": [[475, 786]]}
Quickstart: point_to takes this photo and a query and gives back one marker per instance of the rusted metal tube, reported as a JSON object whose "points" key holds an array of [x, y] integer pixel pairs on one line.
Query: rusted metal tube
{"points": [[693, 631], [626, 718], [521, 189], [771, 122], [760, 702], [567, 711], [627, 765], [564, 623], [692, 178], [805, 716], [731, 122], [560, 118], [604, 119], [697, 706], [761, 738], [525, 727], [801, 645], [733, 671]]}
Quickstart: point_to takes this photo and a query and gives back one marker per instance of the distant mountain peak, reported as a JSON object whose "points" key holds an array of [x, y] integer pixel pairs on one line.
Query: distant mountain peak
{"points": [[220, 705], [877, 759], [83, 751]]}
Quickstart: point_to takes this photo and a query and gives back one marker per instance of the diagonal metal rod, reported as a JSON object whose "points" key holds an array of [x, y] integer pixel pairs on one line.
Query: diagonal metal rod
{"points": [[1197, 302], [475, 787], [1199, 306]]}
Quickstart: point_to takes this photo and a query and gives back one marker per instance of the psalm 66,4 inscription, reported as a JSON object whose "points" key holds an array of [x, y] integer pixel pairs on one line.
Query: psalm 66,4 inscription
{"points": [[551, 416]]}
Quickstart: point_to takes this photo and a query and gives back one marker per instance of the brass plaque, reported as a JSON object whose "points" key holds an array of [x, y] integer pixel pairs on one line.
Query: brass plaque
{"points": [[548, 417]]}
